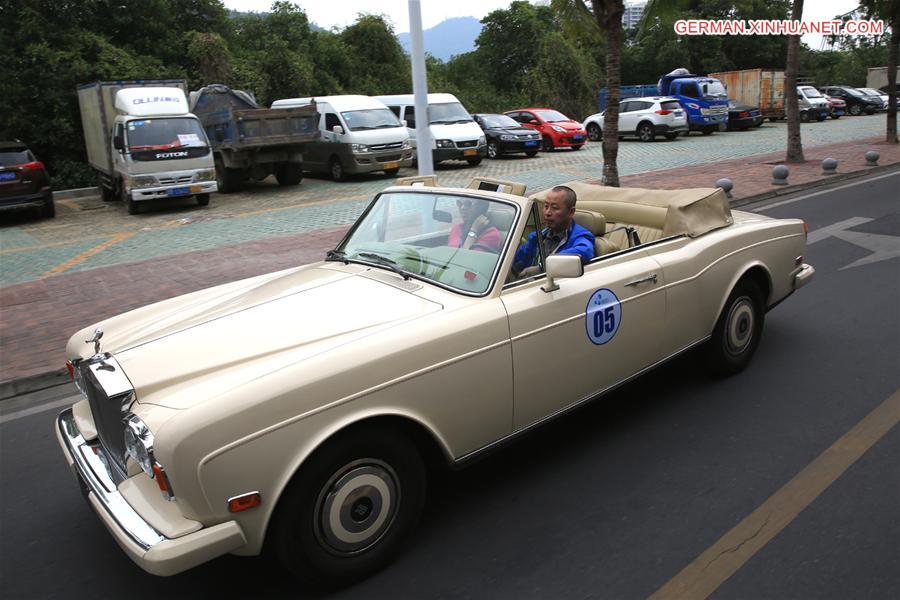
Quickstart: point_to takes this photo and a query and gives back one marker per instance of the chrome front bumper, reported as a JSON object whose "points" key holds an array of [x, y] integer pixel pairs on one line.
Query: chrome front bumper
{"points": [[803, 276], [154, 193], [144, 544]]}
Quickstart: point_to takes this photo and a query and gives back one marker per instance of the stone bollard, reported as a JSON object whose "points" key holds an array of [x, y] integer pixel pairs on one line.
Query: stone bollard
{"points": [[780, 174], [872, 158], [829, 166], [726, 185]]}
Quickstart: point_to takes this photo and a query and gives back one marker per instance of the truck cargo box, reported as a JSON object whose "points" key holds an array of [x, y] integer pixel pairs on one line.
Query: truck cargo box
{"points": [[756, 87]]}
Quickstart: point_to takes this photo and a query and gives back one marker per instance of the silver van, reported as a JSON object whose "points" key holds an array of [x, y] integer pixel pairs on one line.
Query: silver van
{"points": [[358, 135]]}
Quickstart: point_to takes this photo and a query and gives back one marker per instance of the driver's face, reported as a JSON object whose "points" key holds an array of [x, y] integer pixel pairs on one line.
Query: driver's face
{"points": [[468, 209], [556, 214]]}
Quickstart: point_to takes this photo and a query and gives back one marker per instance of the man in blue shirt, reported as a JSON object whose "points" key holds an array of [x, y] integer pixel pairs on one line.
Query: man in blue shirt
{"points": [[561, 236]]}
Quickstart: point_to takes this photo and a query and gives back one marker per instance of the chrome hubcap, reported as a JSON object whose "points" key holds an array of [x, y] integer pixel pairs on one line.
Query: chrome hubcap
{"points": [[740, 326], [357, 506], [492, 150]]}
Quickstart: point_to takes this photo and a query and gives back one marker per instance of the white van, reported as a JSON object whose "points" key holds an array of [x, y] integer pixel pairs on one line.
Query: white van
{"points": [[358, 135], [454, 134]]}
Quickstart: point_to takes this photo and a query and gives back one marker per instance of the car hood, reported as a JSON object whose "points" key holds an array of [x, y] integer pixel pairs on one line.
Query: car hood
{"points": [[509, 130], [231, 334], [568, 125]]}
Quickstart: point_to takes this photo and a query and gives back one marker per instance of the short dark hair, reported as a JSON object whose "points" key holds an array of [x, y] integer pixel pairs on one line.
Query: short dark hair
{"points": [[569, 195]]}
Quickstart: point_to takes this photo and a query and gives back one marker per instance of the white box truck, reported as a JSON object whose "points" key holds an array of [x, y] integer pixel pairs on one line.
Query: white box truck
{"points": [[144, 143]]}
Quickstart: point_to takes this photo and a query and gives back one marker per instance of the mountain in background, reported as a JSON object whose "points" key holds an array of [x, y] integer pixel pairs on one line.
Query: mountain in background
{"points": [[450, 37]]}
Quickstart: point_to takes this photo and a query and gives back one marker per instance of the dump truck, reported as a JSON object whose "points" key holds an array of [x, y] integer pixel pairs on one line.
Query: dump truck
{"points": [[143, 142], [252, 142], [756, 87]]}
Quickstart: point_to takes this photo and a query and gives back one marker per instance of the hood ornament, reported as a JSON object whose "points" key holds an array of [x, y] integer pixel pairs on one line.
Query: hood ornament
{"points": [[98, 333]]}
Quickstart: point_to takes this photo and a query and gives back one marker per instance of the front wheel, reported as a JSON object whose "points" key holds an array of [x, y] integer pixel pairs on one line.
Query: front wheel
{"points": [[855, 110], [351, 508], [594, 132], [738, 330], [337, 170], [546, 143], [708, 131], [392, 172], [493, 151], [474, 161], [202, 199], [531, 153]]}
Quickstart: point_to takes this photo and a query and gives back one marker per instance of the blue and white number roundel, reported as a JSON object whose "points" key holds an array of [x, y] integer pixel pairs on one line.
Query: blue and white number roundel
{"points": [[603, 316]]}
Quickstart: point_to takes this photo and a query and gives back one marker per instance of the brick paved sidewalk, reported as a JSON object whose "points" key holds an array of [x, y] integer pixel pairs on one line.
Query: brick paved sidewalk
{"points": [[38, 317]]}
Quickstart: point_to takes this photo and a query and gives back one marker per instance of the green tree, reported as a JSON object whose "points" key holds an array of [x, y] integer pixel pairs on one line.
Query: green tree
{"points": [[889, 12], [565, 77], [509, 42], [379, 64]]}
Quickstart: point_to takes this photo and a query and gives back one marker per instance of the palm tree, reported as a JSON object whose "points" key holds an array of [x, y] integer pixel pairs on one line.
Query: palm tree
{"points": [[889, 12], [794, 144], [605, 17]]}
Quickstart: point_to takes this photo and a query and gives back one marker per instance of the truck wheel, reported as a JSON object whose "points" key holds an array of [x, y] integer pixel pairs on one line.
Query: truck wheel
{"points": [[392, 172], [107, 194], [854, 110], [646, 132], [289, 173], [594, 132], [708, 130], [202, 199], [228, 180], [350, 509], [738, 330], [337, 170], [131, 206], [474, 161]]}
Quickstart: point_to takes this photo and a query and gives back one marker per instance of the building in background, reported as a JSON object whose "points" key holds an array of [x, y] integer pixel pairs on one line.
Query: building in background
{"points": [[633, 12]]}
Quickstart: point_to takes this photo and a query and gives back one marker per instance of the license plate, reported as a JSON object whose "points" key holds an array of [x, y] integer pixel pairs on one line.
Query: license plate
{"points": [[531, 143], [196, 189], [577, 137], [182, 191], [392, 165], [470, 152], [7, 176]]}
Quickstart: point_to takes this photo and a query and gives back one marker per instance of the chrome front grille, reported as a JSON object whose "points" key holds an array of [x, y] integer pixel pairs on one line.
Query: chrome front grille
{"points": [[467, 144], [377, 147], [110, 396], [175, 180]]}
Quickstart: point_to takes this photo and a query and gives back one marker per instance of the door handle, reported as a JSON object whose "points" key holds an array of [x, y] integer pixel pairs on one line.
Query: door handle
{"points": [[650, 277]]}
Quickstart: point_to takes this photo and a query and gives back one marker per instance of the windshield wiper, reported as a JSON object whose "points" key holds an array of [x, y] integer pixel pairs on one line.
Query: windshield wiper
{"points": [[387, 262], [338, 255], [362, 128]]}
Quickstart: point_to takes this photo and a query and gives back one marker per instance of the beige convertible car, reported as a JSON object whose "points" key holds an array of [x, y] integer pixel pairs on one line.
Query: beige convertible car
{"points": [[300, 411]]}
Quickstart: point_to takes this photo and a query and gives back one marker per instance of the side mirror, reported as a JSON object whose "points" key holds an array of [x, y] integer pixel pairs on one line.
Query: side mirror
{"points": [[561, 266], [338, 130], [118, 142], [534, 122], [442, 215], [403, 122]]}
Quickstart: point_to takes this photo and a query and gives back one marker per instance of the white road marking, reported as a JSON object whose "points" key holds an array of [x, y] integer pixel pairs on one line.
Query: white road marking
{"points": [[882, 247], [826, 232], [829, 190], [25, 412]]}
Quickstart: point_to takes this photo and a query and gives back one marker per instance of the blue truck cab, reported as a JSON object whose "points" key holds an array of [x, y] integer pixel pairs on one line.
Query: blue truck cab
{"points": [[704, 99]]}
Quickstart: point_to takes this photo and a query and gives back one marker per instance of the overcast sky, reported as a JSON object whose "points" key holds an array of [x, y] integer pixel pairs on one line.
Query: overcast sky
{"points": [[340, 13]]}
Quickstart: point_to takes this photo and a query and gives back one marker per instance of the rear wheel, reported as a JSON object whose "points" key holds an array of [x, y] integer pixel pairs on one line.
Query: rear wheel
{"points": [[738, 330], [289, 173], [48, 210], [645, 132], [350, 508], [594, 132]]}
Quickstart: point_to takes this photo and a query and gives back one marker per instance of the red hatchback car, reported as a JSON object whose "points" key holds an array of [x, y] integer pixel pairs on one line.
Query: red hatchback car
{"points": [[23, 180], [557, 130]]}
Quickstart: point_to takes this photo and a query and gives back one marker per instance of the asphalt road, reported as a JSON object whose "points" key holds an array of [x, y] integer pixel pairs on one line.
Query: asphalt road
{"points": [[619, 499]]}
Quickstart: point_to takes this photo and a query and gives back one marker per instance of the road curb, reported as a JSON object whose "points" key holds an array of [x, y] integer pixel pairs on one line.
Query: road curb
{"points": [[76, 193], [32, 383], [800, 187]]}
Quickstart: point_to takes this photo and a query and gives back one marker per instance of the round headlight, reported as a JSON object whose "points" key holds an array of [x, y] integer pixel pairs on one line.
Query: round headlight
{"points": [[139, 443]]}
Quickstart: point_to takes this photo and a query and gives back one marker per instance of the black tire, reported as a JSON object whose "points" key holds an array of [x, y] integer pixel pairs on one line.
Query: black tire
{"points": [[821, 117], [804, 116], [738, 331], [474, 161], [759, 124], [595, 134], [854, 110], [392, 172], [645, 132], [531, 153], [493, 150], [336, 168], [708, 131], [48, 210], [133, 208], [578, 147], [228, 180], [671, 136], [289, 173], [546, 143], [835, 116], [303, 536], [202, 199], [108, 194]]}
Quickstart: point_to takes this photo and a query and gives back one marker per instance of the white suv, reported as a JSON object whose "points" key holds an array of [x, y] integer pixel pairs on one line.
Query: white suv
{"points": [[645, 118]]}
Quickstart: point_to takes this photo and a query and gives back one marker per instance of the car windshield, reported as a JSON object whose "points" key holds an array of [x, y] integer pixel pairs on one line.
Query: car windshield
{"points": [[854, 92], [371, 118], [11, 157], [811, 92], [714, 88], [870, 91], [437, 237], [551, 116], [449, 112], [164, 134], [499, 121]]}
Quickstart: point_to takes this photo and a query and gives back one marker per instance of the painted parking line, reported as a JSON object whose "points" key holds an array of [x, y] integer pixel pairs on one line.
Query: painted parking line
{"points": [[119, 237], [34, 410], [721, 560]]}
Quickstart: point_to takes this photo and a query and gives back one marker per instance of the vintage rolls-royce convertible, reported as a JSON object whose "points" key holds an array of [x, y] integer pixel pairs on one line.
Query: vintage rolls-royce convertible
{"points": [[299, 411]]}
